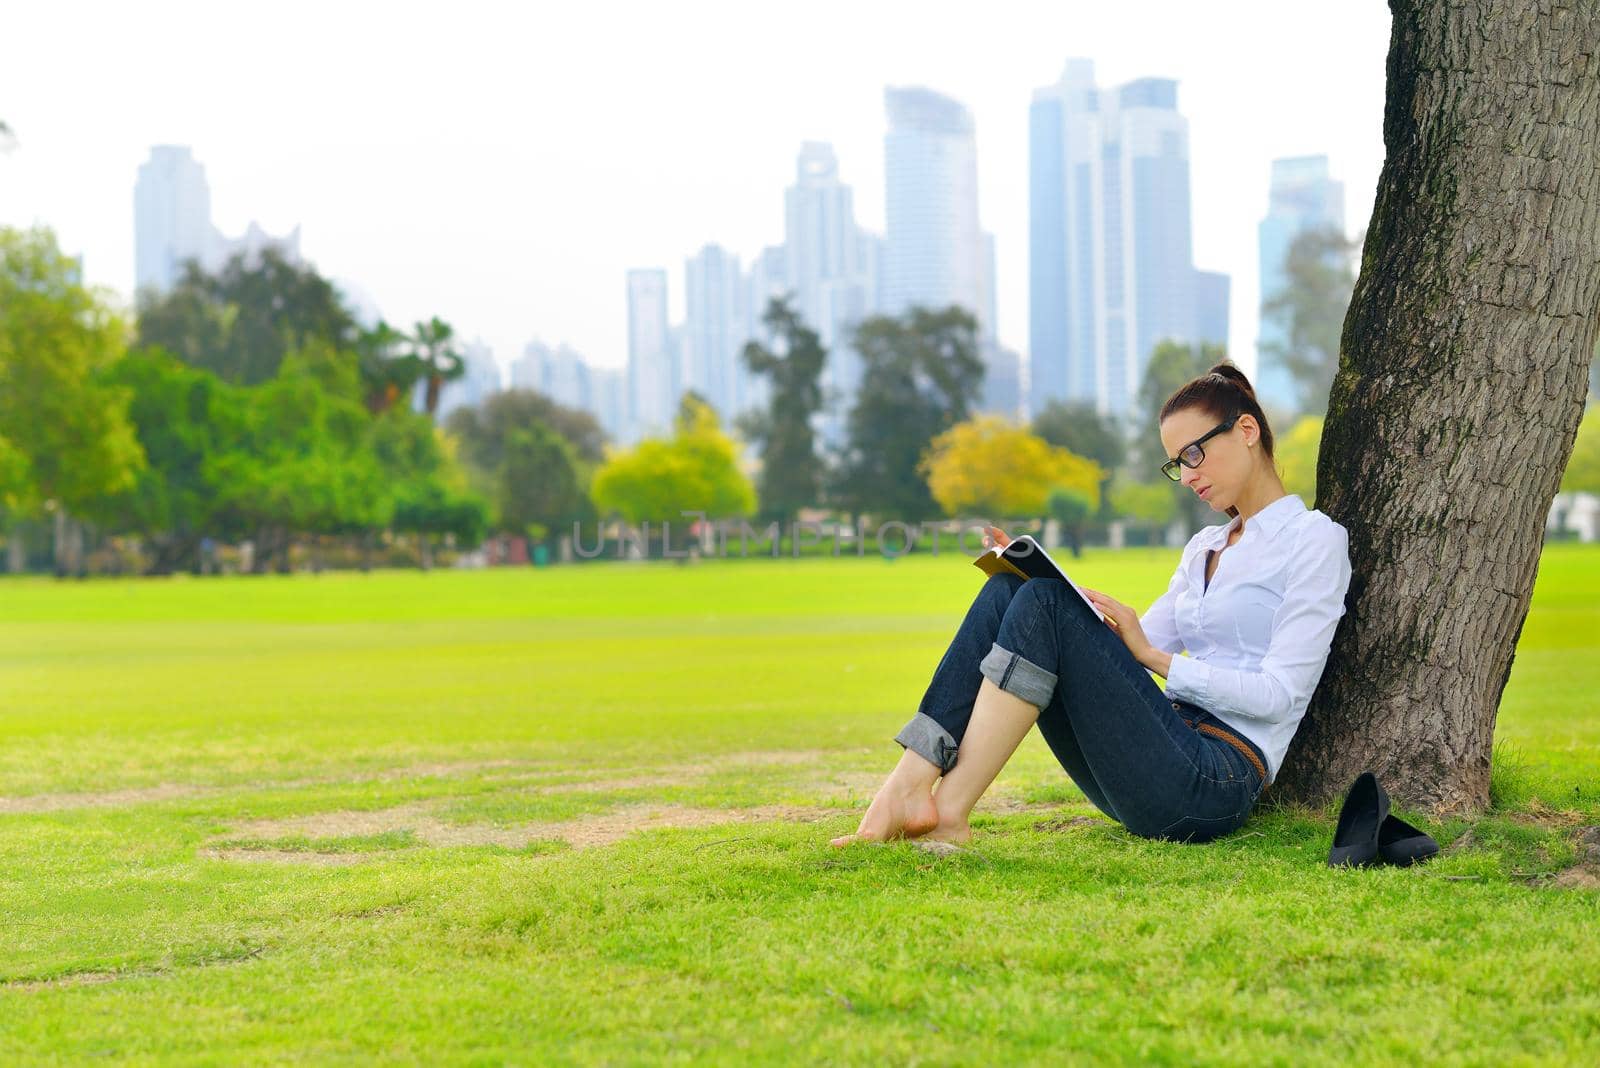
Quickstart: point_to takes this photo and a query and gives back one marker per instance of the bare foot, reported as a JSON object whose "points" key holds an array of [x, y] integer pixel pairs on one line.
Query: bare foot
{"points": [[950, 828], [896, 812]]}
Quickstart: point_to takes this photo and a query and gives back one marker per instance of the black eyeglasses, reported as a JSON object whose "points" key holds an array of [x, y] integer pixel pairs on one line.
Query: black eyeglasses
{"points": [[1192, 455]]}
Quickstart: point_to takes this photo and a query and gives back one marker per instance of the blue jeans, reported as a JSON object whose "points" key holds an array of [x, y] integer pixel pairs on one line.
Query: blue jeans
{"points": [[1150, 763]]}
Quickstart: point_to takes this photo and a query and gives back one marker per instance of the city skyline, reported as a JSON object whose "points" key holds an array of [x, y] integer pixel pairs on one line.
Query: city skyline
{"points": [[422, 200], [1111, 266]]}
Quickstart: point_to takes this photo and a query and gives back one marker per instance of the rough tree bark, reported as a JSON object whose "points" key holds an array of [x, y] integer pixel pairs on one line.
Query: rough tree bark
{"points": [[1461, 383]]}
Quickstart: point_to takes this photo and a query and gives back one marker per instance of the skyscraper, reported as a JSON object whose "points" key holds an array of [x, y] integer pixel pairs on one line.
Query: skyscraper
{"points": [[561, 373], [171, 216], [819, 229], [652, 398], [608, 401], [935, 252], [1302, 197], [768, 277], [714, 326], [832, 268], [1212, 291], [172, 223], [557, 371], [1111, 269]]}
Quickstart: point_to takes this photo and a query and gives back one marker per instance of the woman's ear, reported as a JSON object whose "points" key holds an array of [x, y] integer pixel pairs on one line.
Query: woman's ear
{"points": [[1250, 429]]}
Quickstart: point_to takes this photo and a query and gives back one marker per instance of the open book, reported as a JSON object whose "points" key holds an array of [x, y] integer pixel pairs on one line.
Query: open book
{"points": [[1027, 559]]}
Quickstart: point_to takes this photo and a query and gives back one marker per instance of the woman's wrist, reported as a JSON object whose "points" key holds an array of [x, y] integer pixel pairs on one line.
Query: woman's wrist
{"points": [[1157, 660]]}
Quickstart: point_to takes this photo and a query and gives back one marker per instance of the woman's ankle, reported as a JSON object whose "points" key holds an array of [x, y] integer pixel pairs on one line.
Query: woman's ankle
{"points": [[915, 774], [951, 829]]}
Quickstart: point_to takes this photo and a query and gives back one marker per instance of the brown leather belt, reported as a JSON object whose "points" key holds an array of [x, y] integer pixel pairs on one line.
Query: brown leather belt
{"points": [[1227, 736]]}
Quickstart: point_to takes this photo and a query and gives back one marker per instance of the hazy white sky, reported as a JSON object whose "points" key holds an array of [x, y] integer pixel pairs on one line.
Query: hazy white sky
{"points": [[502, 165]]}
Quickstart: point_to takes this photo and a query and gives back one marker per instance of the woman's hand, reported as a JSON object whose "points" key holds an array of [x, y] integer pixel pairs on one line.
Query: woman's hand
{"points": [[1125, 621], [993, 536]]}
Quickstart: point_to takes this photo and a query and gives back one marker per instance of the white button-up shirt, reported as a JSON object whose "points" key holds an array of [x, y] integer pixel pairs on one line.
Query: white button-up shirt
{"points": [[1258, 638]]}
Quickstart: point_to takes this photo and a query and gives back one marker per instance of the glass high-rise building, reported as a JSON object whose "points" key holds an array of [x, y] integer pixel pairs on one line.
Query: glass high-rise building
{"points": [[714, 328], [832, 269], [935, 252], [767, 277], [652, 396], [561, 373], [1111, 267], [1302, 197], [819, 232], [1212, 291], [171, 217]]}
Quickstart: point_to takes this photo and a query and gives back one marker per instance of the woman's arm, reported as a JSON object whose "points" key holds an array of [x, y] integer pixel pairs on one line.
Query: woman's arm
{"points": [[1160, 622], [1302, 634]]}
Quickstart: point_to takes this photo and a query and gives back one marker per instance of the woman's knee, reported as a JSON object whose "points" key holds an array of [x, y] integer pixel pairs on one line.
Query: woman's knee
{"points": [[1040, 595], [1002, 588]]}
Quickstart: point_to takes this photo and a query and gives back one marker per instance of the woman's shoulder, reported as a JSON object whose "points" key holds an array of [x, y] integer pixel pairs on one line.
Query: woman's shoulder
{"points": [[1316, 519], [1316, 530]]}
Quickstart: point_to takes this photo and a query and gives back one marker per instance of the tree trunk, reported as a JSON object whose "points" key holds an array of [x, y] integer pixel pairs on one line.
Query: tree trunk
{"points": [[261, 551], [68, 547], [1461, 382]]}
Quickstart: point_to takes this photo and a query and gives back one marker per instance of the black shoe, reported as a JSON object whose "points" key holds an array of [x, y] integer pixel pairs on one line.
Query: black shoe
{"points": [[1355, 839], [1402, 845]]}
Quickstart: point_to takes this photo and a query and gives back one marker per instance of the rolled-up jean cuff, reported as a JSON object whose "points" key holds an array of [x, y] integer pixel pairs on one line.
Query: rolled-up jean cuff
{"points": [[924, 737], [1017, 675]]}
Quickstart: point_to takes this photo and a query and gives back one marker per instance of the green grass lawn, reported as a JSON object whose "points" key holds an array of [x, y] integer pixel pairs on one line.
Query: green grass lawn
{"points": [[581, 815]]}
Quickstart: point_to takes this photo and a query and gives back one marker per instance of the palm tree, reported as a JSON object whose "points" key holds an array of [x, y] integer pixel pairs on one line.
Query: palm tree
{"points": [[441, 362], [387, 372]]}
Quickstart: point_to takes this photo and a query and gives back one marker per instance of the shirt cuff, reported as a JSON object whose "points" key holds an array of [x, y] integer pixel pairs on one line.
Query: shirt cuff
{"points": [[1189, 680]]}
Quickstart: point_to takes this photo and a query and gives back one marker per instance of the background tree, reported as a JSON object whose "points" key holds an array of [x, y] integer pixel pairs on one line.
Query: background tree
{"points": [[791, 473], [1079, 428], [659, 479], [990, 467], [538, 490], [14, 485], [483, 429], [432, 509], [63, 425], [919, 373], [1309, 311], [307, 465], [440, 360], [1465, 362], [1171, 364], [389, 367], [1145, 504], [187, 420], [1072, 509], [241, 322], [431, 496], [1296, 454]]}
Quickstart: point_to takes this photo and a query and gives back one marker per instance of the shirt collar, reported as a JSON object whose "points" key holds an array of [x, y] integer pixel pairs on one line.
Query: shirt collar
{"points": [[1268, 521]]}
